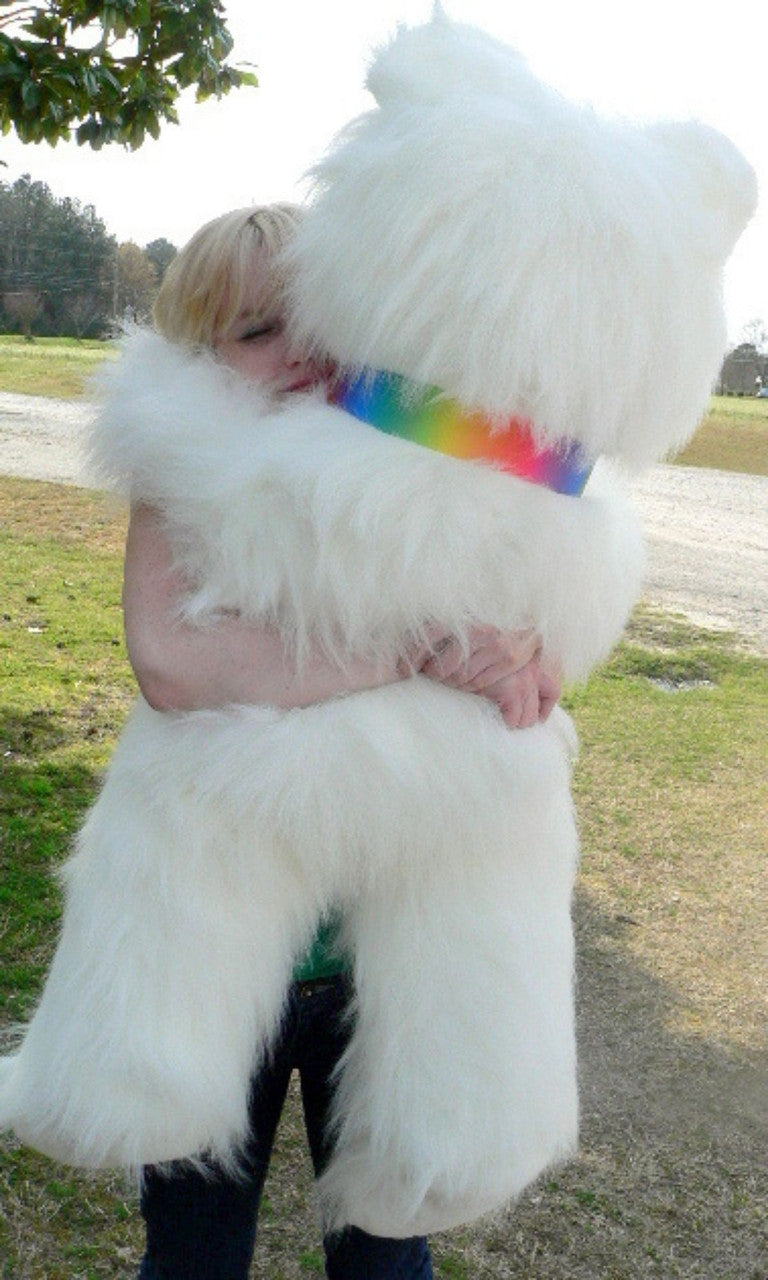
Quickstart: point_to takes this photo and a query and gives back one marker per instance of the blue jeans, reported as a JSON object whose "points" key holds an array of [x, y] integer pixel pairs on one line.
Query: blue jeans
{"points": [[204, 1227]]}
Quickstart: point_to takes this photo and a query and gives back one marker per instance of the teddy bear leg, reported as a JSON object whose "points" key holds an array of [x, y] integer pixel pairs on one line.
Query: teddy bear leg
{"points": [[168, 982], [459, 1085]]}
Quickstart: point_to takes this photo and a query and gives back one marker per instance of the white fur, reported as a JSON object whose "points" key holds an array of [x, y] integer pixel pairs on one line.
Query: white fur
{"points": [[441, 834], [447, 841], [490, 187]]}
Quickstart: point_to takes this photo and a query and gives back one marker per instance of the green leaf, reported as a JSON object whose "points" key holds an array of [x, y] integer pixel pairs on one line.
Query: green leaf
{"points": [[88, 132], [30, 92], [46, 27], [49, 86]]}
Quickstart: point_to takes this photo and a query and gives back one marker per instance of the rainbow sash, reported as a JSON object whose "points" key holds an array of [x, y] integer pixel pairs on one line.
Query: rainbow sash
{"points": [[426, 417]]}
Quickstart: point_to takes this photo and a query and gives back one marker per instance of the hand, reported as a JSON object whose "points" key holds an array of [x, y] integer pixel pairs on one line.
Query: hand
{"points": [[504, 666], [550, 685]]}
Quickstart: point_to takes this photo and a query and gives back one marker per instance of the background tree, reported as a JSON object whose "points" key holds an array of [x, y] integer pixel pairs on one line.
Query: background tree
{"points": [[113, 71], [755, 333], [137, 282], [82, 314], [161, 254], [744, 371], [61, 250], [23, 307]]}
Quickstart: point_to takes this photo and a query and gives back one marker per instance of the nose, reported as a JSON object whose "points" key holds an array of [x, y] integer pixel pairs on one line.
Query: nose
{"points": [[294, 352], [296, 356], [298, 362]]}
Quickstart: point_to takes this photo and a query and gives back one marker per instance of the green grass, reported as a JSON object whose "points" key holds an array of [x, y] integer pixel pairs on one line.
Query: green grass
{"points": [[66, 684], [732, 437], [49, 366], [741, 407], [673, 801]]}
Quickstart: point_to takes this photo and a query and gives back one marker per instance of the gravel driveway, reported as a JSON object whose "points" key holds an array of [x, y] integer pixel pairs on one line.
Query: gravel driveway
{"points": [[707, 535], [42, 438], [707, 531]]}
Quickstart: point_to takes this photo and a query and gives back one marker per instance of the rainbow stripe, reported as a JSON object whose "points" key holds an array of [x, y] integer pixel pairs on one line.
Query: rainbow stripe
{"points": [[426, 417]]}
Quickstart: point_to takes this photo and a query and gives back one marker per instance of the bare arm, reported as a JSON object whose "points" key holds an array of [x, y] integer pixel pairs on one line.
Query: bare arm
{"points": [[183, 667]]}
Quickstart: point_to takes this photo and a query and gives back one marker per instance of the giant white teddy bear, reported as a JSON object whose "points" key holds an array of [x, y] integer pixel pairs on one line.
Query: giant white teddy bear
{"points": [[476, 234]]}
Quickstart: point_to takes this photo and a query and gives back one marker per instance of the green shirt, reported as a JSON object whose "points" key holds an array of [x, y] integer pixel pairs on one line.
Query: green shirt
{"points": [[324, 958]]}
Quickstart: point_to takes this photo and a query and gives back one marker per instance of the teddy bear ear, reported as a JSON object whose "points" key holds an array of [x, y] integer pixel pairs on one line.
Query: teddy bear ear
{"points": [[430, 63], [707, 168], [404, 68]]}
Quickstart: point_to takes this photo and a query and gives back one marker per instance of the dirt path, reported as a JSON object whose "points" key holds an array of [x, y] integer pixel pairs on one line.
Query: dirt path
{"points": [[707, 535], [42, 439], [707, 531]]}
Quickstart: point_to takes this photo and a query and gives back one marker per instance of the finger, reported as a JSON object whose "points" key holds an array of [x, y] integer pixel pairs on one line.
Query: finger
{"points": [[546, 707], [494, 674], [488, 656], [417, 652], [497, 656], [525, 711], [517, 699], [491, 662], [550, 687], [513, 648], [523, 646], [475, 673], [447, 662], [549, 696], [529, 713], [521, 713]]}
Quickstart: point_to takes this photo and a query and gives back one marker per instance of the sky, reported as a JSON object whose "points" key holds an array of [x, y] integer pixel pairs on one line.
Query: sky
{"points": [[661, 58]]}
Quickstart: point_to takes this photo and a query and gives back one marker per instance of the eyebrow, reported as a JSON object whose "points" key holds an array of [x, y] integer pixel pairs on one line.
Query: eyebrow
{"points": [[259, 316]]}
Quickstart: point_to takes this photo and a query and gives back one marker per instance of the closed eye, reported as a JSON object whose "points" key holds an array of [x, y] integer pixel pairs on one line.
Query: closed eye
{"points": [[267, 330]]}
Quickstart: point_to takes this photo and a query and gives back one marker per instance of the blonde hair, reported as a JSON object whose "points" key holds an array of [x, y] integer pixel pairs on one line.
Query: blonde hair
{"points": [[205, 287]]}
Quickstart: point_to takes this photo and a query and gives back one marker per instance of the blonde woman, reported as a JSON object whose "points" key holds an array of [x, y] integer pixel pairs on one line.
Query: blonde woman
{"points": [[224, 293]]}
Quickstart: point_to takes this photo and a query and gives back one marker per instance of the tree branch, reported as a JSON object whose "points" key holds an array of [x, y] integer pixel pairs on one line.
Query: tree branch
{"points": [[21, 15]]}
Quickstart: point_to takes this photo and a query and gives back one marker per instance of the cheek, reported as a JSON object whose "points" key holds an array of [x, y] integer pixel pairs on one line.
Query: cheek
{"points": [[260, 361], [255, 360], [251, 360]]}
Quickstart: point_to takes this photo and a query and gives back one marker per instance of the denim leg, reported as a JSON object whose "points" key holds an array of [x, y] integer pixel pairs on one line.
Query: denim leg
{"points": [[198, 1227], [202, 1226], [354, 1255], [322, 1035]]}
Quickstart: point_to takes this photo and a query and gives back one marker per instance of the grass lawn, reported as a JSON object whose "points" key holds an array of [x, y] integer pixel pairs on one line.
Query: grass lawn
{"points": [[49, 366], [671, 1180], [732, 437]]}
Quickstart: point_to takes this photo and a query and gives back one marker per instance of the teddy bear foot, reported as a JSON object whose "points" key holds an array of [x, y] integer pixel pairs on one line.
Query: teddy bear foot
{"points": [[397, 1201]]}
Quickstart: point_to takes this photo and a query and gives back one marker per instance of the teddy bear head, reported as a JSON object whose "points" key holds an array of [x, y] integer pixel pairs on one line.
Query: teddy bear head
{"points": [[478, 233]]}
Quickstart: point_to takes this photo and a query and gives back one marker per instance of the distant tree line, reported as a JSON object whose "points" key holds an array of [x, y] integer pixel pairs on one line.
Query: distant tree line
{"points": [[744, 371], [61, 273], [745, 368]]}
